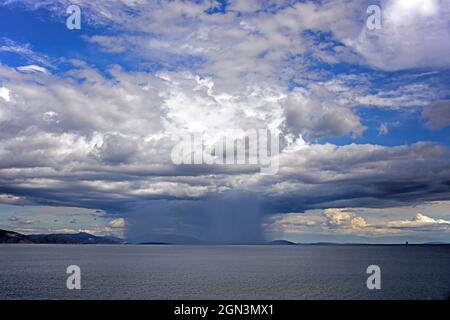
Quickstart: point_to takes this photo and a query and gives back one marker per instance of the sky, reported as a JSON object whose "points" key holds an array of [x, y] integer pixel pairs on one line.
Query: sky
{"points": [[89, 119]]}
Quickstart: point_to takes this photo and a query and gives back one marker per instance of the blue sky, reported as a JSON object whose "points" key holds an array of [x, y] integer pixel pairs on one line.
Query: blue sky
{"points": [[87, 118]]}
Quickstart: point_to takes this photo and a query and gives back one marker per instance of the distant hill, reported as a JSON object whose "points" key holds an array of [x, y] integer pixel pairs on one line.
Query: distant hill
{"points": [[76, 238], [13, 237], [62, 238], [155, 243], [115, 239], [281, 243], [86, 238], [437, 242]]}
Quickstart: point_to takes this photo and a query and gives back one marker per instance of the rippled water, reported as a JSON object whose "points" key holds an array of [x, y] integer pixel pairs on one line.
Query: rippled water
{"points": [[224, 272]]}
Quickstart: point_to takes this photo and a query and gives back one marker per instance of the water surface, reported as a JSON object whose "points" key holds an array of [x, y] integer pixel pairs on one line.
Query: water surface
{"points": [[224, 272]]}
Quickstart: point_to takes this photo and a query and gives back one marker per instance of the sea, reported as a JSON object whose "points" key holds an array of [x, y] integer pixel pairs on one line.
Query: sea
{"points": [[224, 272]]}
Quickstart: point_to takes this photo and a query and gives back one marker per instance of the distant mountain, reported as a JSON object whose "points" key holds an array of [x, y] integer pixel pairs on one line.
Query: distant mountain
{"points": [[155, 243], [437, 242], [325, 244], [115, 239], [76, 238], [281, 243], [62, 238], [13, 237]]}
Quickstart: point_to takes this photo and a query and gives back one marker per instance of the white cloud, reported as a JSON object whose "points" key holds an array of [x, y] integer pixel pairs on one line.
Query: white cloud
{"points": [[316, 114], [9, 198], [25, 51], [356, 90], [418, 221], [110, 140], [414, 34], [117, 223], [32, 68], [403, 11], [351, 221], [337, 217], [358, 223], [5, 94], [257, 38], [293, 223], [341, 220]]}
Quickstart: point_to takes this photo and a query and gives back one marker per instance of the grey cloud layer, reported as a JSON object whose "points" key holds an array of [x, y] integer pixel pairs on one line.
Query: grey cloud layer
{"points": [[109, 142]]}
